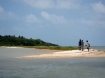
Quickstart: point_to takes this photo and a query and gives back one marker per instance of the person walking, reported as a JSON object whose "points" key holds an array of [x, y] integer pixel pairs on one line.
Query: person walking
{"points": [[88, 45], [82, 45], [79, 44]]}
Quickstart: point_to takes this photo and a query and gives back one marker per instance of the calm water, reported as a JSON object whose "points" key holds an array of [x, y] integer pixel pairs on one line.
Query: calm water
{"points": [[98, 47], [95, 47], [11, 67]]}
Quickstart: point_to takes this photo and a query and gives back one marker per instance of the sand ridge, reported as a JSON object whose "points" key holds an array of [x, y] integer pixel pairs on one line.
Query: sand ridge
{"points": [[68, 54]]}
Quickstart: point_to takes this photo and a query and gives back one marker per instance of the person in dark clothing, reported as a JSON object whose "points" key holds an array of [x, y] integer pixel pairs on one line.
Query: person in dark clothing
{"points": [[79, 44], [82, 45]]}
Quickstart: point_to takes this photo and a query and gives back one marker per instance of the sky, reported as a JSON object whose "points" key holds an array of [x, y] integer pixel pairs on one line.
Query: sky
{"points": [[61, 22]]}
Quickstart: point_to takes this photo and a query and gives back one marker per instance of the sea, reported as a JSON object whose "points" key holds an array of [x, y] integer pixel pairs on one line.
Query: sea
{"points": [[98, 47], [11, 67]]}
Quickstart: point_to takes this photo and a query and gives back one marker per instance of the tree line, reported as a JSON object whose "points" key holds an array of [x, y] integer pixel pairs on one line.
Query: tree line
{"points": [[9, 40]]}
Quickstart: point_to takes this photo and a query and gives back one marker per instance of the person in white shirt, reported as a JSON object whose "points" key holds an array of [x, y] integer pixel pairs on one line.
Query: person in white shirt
{"points": [[88, 45]]}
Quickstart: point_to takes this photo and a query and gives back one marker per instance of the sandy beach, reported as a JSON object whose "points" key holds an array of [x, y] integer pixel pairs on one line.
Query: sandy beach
{"points": [[68, 54]]}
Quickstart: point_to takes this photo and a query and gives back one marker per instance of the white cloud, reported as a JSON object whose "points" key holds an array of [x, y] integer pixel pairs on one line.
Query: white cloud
{"points": [[32, 19], [87, 22], [101, 23], [40, 3], [9, 16], [67, 4], [43, 4], [98, 7], [54, 18], [1, 9], [13, 15], [46, 15], [4, 15]]}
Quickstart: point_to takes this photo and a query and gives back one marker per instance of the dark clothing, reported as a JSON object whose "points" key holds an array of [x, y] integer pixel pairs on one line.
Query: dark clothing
{"points": [[82, 45], [79, 44]]}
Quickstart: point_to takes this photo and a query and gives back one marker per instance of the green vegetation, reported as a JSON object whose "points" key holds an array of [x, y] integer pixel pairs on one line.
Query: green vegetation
{"points": [[53, 47], [9, 40]]}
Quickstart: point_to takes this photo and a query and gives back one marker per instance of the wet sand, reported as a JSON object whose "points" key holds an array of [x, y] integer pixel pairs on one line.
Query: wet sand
{"points": [[68, 54]]}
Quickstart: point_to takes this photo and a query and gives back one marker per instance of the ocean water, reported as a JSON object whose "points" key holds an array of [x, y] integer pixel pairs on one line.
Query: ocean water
{"points": [[95, 47], [11, 67], [98, 47]]}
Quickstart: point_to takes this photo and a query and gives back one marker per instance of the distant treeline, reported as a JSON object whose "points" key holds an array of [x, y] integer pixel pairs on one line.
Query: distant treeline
{"points": [[9, 40]]}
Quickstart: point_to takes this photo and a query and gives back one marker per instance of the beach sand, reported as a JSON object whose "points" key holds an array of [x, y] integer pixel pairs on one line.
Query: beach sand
{"points": [[68, 54]]}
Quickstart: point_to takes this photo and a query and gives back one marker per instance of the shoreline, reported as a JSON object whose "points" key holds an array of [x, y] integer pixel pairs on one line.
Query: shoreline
{"points": [[11, 47], [63, 53], [67, 54], [46, 49]]}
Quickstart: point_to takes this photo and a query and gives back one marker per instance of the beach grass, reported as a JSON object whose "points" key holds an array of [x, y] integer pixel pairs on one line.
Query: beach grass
{"points": [[49, 47], [53, 47]]}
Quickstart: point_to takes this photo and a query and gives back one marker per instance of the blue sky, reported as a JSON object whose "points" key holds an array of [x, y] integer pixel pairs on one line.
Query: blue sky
{"points": [[62, 22]]}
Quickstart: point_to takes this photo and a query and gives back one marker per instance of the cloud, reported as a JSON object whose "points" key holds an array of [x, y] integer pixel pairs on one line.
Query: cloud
{"points": [[46, 15], [32, 19], [9, 16], [1, 9], [40, 3], [44, 4], [4, 15], [54, 18], [87, 22], [101, 23], [98, 7], [67, 4]]}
